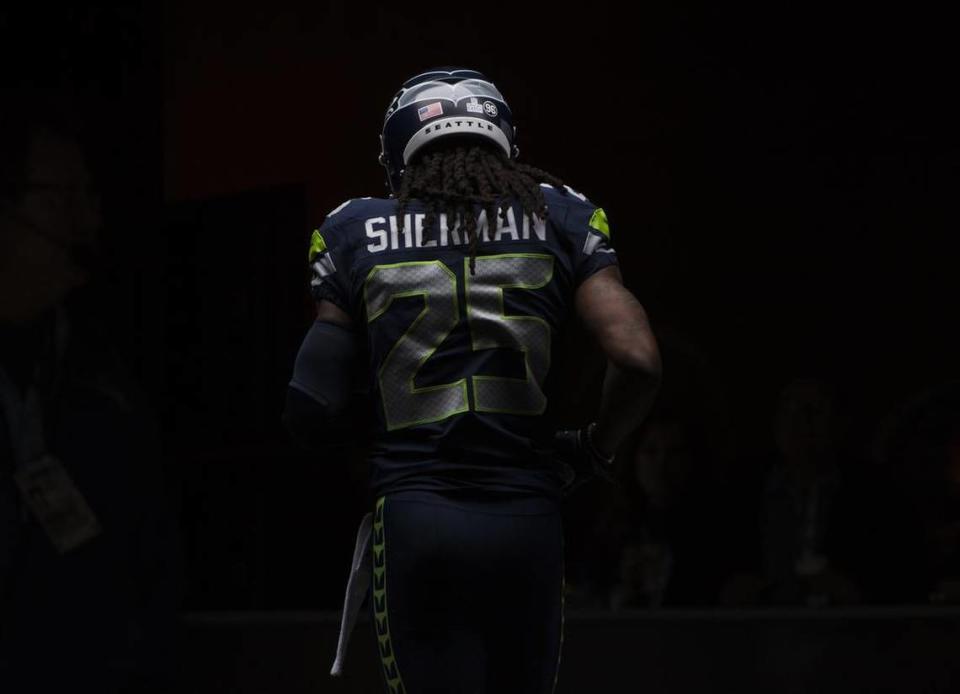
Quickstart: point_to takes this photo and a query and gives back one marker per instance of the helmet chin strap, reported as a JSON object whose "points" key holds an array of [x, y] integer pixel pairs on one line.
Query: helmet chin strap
{"points": [[390, 186], [383, 162]]}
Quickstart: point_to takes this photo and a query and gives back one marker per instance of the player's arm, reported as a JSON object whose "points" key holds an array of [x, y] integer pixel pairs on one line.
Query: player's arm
{"points": [[619, 323], [331, 313], [320, 408]]}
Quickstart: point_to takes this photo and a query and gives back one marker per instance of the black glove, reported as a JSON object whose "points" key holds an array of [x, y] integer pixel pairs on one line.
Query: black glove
{"points": [[580, 460]]}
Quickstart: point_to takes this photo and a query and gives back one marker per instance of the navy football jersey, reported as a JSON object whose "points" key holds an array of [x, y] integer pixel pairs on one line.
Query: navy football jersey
{"points": [[458, 360]]}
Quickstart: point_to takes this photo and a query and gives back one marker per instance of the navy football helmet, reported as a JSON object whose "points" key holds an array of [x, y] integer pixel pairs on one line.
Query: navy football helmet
{"points": [[442, 103]]}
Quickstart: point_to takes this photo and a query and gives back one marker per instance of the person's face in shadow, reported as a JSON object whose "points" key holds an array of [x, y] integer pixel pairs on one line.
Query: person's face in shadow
{"points": [[55, 213], [662, 460], [805, 425]]}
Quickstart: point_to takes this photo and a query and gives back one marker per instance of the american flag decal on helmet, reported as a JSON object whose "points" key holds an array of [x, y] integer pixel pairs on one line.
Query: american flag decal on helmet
{"points": [[430, 111]]}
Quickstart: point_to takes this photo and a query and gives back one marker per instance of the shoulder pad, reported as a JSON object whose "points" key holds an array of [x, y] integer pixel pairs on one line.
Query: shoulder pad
{"points": [[568, 193], [339, 208], [355, 208]]}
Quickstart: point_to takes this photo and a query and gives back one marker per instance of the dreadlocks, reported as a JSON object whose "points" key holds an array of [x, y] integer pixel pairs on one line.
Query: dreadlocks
{"points": [[451, 180]]}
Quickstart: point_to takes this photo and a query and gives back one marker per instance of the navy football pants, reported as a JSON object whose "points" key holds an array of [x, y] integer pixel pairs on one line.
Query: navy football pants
{"points": [[467, 598]]}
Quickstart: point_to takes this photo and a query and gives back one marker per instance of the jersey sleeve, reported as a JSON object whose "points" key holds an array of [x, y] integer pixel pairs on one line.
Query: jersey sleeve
{"points": [[328, 263], [589, 233]]}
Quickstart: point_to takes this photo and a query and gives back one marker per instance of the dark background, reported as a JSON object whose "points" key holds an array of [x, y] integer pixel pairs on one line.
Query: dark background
{"points": [[780, 185]]}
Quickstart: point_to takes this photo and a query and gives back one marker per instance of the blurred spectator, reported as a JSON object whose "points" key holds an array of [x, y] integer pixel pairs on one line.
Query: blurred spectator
{"points": [[800, 490], [87, 570], [920, 444], [819, 526], [664, 526], [657, 538], [797, 500]]}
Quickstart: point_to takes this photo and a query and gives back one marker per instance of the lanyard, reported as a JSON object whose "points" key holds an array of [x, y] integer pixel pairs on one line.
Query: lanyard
{"points": [[24, 413], [24, 417]]}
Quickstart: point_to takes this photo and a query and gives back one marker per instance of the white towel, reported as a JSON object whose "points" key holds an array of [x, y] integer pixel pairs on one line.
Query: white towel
{"points": [[356, 590]]}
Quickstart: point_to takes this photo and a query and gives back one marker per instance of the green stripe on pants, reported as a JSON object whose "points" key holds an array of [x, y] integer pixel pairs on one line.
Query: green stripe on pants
{"points": [[387, 658]]}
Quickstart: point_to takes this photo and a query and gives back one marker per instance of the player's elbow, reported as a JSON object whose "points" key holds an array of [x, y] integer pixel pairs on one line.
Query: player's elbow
{"points": [[313, 425], [637, 356], [302, 418]]}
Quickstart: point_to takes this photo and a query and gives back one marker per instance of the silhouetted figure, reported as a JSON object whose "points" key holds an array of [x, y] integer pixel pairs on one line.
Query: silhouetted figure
{"points": [[667, 521], [87, 570], [804, 506], [920, 445]]}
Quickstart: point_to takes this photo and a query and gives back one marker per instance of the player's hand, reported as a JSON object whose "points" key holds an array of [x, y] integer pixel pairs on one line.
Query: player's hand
{"points": [[582, 460]]}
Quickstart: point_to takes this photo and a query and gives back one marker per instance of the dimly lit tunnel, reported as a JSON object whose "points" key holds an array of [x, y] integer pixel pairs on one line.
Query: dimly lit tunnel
{"points": [[675, 408]]}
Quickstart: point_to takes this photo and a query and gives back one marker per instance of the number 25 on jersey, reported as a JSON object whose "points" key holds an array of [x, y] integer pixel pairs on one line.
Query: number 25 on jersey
{"points": [[404, 404]]}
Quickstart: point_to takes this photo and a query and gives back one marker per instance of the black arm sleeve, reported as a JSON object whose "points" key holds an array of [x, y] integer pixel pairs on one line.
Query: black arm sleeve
{"points": [[321, 404], [312, 428]]}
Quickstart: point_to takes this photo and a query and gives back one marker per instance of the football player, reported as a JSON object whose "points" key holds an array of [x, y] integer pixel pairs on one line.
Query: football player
{"points": [[449, 295]]}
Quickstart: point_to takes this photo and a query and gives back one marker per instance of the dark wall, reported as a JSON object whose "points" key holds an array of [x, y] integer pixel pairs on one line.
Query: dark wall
{"points": [[778, 183], [776, 179]]}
